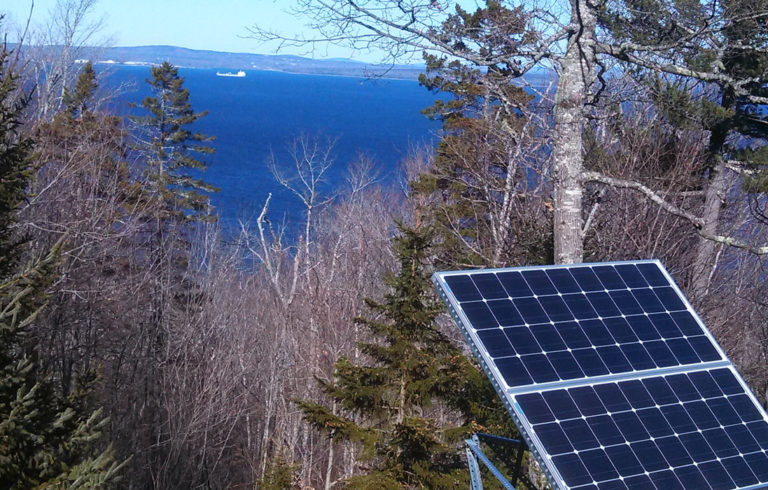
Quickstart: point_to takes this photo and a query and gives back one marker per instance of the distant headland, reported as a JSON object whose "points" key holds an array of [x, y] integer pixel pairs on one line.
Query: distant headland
{"points": [[196, 58]]}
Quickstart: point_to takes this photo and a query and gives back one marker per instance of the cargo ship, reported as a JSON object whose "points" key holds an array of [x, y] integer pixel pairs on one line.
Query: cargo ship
{"points": [[239, 74]]}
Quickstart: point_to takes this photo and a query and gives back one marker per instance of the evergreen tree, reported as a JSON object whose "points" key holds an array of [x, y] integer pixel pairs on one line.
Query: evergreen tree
{"points": [[175, 199], [14, 166], [411, 367], [45, 440], [172, 146], [736, 50], [482, 187], [279, 475], [76, 101]]}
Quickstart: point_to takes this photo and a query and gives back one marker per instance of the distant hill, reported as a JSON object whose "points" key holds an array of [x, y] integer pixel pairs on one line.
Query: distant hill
{"points": [[539, 77], [195, 58]]}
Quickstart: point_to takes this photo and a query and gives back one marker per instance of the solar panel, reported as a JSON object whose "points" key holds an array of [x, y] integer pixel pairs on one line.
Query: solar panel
{"points": [[611, 376]]}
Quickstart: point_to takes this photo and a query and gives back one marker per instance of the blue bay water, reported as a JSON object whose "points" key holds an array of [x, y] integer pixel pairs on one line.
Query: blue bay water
{"points": [[263, 112]]}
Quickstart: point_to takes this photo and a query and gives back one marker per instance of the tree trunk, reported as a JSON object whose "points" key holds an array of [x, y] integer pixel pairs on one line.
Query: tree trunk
{"points": [[329, 467], [576, 69], [717, 186], [706, 250]]}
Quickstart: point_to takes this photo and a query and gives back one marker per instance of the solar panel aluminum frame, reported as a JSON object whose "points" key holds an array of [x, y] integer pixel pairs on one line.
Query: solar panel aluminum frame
{"points": [[506, 393]]}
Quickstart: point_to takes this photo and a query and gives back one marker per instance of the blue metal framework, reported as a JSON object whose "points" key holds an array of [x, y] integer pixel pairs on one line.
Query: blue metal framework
{"points": [[475, 454]]}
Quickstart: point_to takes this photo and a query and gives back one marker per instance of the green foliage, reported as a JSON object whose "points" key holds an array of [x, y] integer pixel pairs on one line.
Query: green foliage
{"points": [[280, 475], [747, 34], [676, 101], [15, 170], [736, 50], [384, 404], [757, 181], [757, 184], [76, 102], [496, 33], [45, 440], [482, 158], [651, 22], [172, 147], [78, 134]]}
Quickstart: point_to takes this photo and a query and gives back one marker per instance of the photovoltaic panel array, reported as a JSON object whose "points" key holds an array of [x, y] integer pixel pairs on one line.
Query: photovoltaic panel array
{"points": [[611, 376], [642, 433]]}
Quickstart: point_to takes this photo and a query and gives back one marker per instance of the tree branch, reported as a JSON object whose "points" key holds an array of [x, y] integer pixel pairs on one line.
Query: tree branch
{"points": [[671, 208]]}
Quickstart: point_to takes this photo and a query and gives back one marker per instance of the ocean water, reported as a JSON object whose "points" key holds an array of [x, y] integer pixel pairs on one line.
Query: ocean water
{"points": [[261, 114]]}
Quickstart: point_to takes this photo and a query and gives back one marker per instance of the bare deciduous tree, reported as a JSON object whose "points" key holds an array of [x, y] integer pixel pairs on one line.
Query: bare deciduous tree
{"points": [[70, 35]]}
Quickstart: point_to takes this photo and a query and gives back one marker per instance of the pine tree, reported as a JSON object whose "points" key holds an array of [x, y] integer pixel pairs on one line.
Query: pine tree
{"points": [[175, 198], [279, 475], [45, 440], [411, 367], [171, 148], [14, 168], [739, 55], [482, 188], [716, 83]]}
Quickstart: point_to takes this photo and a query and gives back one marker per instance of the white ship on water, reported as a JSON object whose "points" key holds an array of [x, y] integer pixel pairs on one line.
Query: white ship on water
{"points": [[239, 74]]}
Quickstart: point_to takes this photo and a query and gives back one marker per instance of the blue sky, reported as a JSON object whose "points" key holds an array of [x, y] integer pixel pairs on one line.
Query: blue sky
{"points": [[218, 25]]}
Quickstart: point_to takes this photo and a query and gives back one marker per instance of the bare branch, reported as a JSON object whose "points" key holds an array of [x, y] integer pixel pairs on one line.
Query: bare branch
{"points": [[401, 30], [593, 212], [671, 208]]}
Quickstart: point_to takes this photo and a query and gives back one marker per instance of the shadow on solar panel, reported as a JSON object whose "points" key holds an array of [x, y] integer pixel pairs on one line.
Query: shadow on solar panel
{"points": [[611, 377]]}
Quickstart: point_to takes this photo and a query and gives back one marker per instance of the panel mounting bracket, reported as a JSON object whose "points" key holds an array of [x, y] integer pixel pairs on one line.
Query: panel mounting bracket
{"points": [[475, 454]]}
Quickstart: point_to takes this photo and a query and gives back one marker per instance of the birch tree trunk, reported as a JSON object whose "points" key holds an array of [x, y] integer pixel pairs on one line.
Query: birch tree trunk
{"points": [[706, 250], [716, 189], [576, 75]]}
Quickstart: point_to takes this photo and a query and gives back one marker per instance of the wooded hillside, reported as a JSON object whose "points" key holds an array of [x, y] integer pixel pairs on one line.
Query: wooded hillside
{"points": [[140, 349]]}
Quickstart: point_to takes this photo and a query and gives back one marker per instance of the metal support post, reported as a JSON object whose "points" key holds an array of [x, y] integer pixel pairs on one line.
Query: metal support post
{"points": [[475, 479], [473, 446]]}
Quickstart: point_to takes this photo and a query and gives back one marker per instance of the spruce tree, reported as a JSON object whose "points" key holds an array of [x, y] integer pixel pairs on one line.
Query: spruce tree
{"points": [[175, 200], [45, 440], [76, 101], [171, 148], [737, 51], [481, 187], [410, 367], [716, 83]]}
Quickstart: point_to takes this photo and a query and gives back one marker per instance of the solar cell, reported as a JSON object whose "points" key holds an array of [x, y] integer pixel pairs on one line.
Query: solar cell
{"points": [[632, 317], [611, 376], [641, 435]]}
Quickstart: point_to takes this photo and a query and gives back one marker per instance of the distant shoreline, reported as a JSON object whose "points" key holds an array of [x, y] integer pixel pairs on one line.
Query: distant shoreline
{"points": [[189, 58], [147, 56], [361, 77], [137, 64]]}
